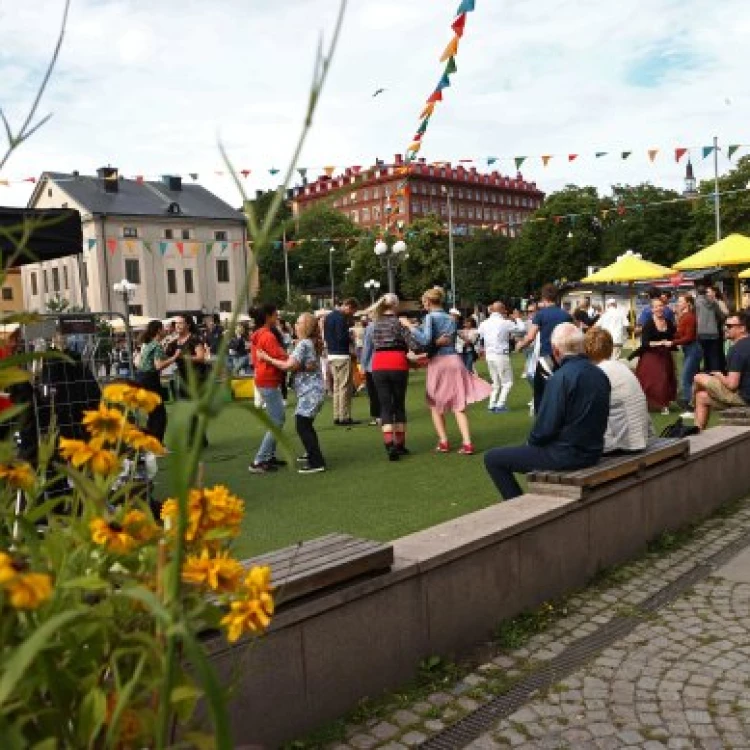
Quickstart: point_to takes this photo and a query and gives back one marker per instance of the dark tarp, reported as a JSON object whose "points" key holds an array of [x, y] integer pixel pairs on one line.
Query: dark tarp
{"points": [[52, 233]]}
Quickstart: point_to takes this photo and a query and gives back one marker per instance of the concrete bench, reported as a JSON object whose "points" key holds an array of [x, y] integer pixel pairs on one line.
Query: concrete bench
{"points": [[736, 416], [321, 564], [576, 484]]}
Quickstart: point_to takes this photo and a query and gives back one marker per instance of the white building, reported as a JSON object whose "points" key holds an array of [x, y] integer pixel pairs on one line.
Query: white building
{"points": [[184, 248]]}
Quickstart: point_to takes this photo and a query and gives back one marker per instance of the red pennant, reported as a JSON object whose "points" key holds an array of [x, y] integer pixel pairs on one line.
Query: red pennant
{"points": [[245, 173], [436, 97], [459, 25], [679, 153], [180, 247], [112, 245], [572, 157], [236, 245], [30, 179]]}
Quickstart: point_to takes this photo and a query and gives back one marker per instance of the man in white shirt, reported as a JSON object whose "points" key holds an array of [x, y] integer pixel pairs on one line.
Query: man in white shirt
{"points": [[615, 322], [495, 333]]}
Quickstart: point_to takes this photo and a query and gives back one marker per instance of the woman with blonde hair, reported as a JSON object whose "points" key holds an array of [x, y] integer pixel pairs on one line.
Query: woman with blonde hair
{"points": [[391, 341], [304, 362], [450, 386]]}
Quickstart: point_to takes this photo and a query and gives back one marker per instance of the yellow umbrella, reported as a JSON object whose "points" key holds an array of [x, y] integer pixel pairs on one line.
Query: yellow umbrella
{"points": [[627, 269], [733, 250]]}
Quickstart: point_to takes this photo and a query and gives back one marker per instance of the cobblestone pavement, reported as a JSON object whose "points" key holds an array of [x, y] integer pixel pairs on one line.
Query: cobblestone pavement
{"points": [[681, 679]]}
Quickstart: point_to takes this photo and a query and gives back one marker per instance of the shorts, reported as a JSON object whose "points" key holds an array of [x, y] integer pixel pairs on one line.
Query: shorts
{"points": [[721, 397]]}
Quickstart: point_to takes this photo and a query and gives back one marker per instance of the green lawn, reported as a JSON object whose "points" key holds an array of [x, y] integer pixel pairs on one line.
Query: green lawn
{"points": [[362, 493]]}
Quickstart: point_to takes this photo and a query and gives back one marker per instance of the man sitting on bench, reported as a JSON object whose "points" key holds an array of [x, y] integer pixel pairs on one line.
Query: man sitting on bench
{"points": [[718, 391], [569, 429]]}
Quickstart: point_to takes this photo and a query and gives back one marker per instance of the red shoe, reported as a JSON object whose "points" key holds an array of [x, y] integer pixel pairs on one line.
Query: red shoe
{"points": [[466, 450], [443, 448]]}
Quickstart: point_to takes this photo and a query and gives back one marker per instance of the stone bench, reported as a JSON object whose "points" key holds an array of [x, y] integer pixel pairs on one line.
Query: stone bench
{"points": [[320, 564], [576, 484], [736, 416]]}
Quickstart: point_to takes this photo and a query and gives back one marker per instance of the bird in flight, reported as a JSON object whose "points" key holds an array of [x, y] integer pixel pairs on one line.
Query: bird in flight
{"points": [[378, 93]]}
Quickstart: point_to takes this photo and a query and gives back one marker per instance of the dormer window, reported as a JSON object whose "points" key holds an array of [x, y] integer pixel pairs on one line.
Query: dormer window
{"points": [[174, 208]]}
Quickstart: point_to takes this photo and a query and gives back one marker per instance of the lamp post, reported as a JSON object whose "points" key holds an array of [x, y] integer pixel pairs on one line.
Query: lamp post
{"points": [[448, 195], [331, 251], [373, 287], [126, 291], [390, 257]]}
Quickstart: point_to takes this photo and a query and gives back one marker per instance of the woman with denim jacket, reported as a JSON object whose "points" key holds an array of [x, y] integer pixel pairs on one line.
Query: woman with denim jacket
{"points": [[450, 386]]}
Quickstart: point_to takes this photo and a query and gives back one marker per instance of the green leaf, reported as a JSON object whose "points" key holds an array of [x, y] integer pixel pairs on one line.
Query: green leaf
{"points": [[200, 740], [13, 376], [185, 692], [49, 744], [88, 583], [149, 600], [24, 655], [91, 715]]}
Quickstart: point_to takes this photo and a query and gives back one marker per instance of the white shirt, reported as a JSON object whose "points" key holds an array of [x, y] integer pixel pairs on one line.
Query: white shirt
{"points": [[615, 322], [496, 332], [629, 426]]}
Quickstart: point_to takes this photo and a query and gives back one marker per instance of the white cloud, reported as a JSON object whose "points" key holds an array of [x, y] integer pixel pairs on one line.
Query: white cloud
{"points": [[148, 85]]}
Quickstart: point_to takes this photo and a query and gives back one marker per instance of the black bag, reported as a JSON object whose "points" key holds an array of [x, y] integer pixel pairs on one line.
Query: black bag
{"points": [[679, 429]]}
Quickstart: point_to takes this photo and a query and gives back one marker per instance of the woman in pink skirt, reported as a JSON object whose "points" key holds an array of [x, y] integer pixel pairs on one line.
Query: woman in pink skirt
{"points": [[450, 386]]}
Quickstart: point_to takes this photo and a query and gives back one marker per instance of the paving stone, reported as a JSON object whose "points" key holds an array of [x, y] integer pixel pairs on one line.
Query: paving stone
{"points": [[434, 725], [363, 741], [405, 718], [412, 739], [440, 699], [384, 731]]}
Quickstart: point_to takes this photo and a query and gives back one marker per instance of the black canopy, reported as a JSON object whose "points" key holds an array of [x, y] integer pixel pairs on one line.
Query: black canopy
{"points": [[52, 233]]}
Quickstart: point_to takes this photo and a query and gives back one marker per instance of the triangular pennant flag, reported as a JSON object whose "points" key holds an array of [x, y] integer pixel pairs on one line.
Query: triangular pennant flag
{"points": [[491, 160], [466, 7], [33, 179], [112, 245], [329, 170], [245, 172], [193, 175], [417, 136], [428, 110], [273, 171], [451, 50], [679, 153], [519, 160], [599, 154], [459, 25], [653, 153], [163, 247], [236, 245], [147, 246], [224, 246], [545, 160], [194, 247], [626, 154], [92, 243], [180, 247], [451, 67], [707, 151], [303, 172], [572, 157], [437, 96], [443, 83], [423, 125], [414, 146], [130, 245], [731, 151]]}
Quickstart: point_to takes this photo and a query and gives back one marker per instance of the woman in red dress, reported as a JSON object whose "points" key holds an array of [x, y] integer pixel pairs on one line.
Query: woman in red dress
{"points": [[655, 370]]}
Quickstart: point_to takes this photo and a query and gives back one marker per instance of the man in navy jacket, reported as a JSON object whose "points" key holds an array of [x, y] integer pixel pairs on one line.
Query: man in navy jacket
{"points": [[339, 344], [571, 422]]}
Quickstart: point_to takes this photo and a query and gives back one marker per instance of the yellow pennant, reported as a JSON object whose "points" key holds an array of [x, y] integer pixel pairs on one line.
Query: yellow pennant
{"points": [[451, 50]]}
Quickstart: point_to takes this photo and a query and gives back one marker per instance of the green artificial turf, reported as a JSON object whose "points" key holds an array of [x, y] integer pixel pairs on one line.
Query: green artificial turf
{"points": [[362, 493]]}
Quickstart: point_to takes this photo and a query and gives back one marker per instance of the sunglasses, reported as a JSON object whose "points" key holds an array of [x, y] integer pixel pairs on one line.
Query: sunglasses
{"points": [[732, 325]]}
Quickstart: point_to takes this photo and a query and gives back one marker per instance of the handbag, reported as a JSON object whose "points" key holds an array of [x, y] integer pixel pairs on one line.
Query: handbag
{"points": [[678, 430]]}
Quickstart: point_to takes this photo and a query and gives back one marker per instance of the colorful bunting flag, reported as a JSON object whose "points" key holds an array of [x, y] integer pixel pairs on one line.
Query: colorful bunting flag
{"points": [[451, 67], [193, 175], [303, 172], [33, 179], [707, 151], [329, 171], [180, 247], [626, 154], [572, 157], [437, 96], [599, 154], [273, 171], [423, 125], [414, 147], [236, 245], [130, 245], [466, 7], [679, 153], [92, 243], [443, 83], [451, 50], [5, 182], [163, 247], [731, 151], [194, 248], [519, 160], [209, 247], [652, 154], [112, 245], [147, 247], [224, 246], [546, 160], [245, 173], [491, 160], [459, 25], [428, 110]]}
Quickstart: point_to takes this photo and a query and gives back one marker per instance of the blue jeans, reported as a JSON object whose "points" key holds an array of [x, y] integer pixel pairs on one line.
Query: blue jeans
{"points": [[502, 463], [690, 368], [277, 414]]}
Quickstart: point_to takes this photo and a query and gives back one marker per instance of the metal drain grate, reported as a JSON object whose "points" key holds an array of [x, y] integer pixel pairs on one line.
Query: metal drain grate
{"points": [[575, 656]]}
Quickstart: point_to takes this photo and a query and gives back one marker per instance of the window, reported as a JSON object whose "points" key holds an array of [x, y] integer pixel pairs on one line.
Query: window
{"points": [[185, 234], [168, 234], [355, 217], [7, 294], [222, 271], [376, 213], [365, 195], [46, 281], [461, 193], [55, 279], [189, 287], [34, 285], [470, 212], [49, 192], [66, 286], [130, 232], [469, 195], [225, 306], [375, 193], [433, 189], [220, 235], [135, 309], [416, 207], [365, 214], [133, 270], [171, 281], [461, 212]]}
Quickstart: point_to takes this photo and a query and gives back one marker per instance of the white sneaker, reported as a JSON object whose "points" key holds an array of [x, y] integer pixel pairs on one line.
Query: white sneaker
{"points": [[665, 411], [688, 415]]}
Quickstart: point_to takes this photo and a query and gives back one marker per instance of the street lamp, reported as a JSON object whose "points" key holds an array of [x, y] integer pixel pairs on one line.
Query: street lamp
{"points": [[331, 251], [126, 291], [390, 257], [448, 195], [373, 287]]}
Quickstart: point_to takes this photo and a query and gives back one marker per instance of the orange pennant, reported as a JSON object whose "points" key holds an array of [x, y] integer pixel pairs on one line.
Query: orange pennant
{"points": [[451, 50], [652, 154], [428, 110], [329, 170], [545, 160], [414, 146]]}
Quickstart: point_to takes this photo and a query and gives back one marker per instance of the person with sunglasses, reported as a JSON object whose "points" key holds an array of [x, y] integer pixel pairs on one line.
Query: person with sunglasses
{"points": [[718, 391]]}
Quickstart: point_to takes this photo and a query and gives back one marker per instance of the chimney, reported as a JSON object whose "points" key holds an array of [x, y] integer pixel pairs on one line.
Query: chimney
{"points": [[109, 178], [398, 159], [172, 182]]}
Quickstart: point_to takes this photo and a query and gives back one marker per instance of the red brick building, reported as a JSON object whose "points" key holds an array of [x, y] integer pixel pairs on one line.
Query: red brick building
{"points": [[370, 196]]}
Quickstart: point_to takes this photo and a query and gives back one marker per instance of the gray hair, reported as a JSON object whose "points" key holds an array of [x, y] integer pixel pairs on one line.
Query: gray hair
{"points": [[567, 339]]}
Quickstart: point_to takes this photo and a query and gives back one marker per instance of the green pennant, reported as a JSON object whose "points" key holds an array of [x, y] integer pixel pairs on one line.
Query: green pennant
{"points": [[209, 247], [423, 125], [451, 67], [707, 151], [599, 154], [147, 246], [519, 160], [626, 154], [731, 151]]}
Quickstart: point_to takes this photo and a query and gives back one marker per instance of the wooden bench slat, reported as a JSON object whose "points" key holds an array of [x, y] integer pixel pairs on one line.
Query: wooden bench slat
{"points": [[297, 568], [305, 548], [304, 557]]}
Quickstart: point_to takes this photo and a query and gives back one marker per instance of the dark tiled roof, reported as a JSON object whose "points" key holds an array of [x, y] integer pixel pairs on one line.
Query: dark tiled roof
{"points": [[135, 198]]}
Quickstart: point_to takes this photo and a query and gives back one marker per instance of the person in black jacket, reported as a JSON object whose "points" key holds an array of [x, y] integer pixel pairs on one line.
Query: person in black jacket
{"points": [[338, 342]]}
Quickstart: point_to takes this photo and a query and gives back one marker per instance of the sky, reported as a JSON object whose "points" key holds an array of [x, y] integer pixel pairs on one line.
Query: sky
{"points": [[149, 86]]}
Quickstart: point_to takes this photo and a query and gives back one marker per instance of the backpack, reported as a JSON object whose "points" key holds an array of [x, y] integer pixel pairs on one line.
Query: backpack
{"points": [[679, 429]]}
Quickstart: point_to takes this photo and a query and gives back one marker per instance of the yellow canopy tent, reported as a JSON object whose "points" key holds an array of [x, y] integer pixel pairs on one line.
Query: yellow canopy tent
{"points": [[627, 269], [730, 252]]}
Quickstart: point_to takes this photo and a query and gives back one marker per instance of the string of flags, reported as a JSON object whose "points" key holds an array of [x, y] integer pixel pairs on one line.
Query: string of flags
{"points": [[183, 247]]}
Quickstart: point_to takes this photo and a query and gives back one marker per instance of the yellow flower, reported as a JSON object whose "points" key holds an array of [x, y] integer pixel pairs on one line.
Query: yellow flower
{"points": [[221, 573], [105, 423], [7, 569], [210, 509], [139, 526], [253, 612], [81, 453], [142, 442], [131, 397], [112, 535], [223, 508], [26, 590], [18, 474]]}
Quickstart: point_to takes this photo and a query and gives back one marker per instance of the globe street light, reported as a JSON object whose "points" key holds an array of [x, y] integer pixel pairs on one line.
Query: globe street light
{"points": [[373, 287], [126, 291], [390, 257]]}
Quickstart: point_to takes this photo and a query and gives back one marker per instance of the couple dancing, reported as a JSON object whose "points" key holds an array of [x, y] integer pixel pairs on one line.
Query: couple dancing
{"points": [[450, 386]]}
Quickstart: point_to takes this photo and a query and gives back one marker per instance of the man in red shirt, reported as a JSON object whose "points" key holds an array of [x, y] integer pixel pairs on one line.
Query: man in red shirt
{"points": [[268, 381]]}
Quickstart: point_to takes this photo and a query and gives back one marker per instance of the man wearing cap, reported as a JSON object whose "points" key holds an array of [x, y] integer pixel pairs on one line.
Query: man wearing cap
{"points": [[495, 333], [615, 322]]}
